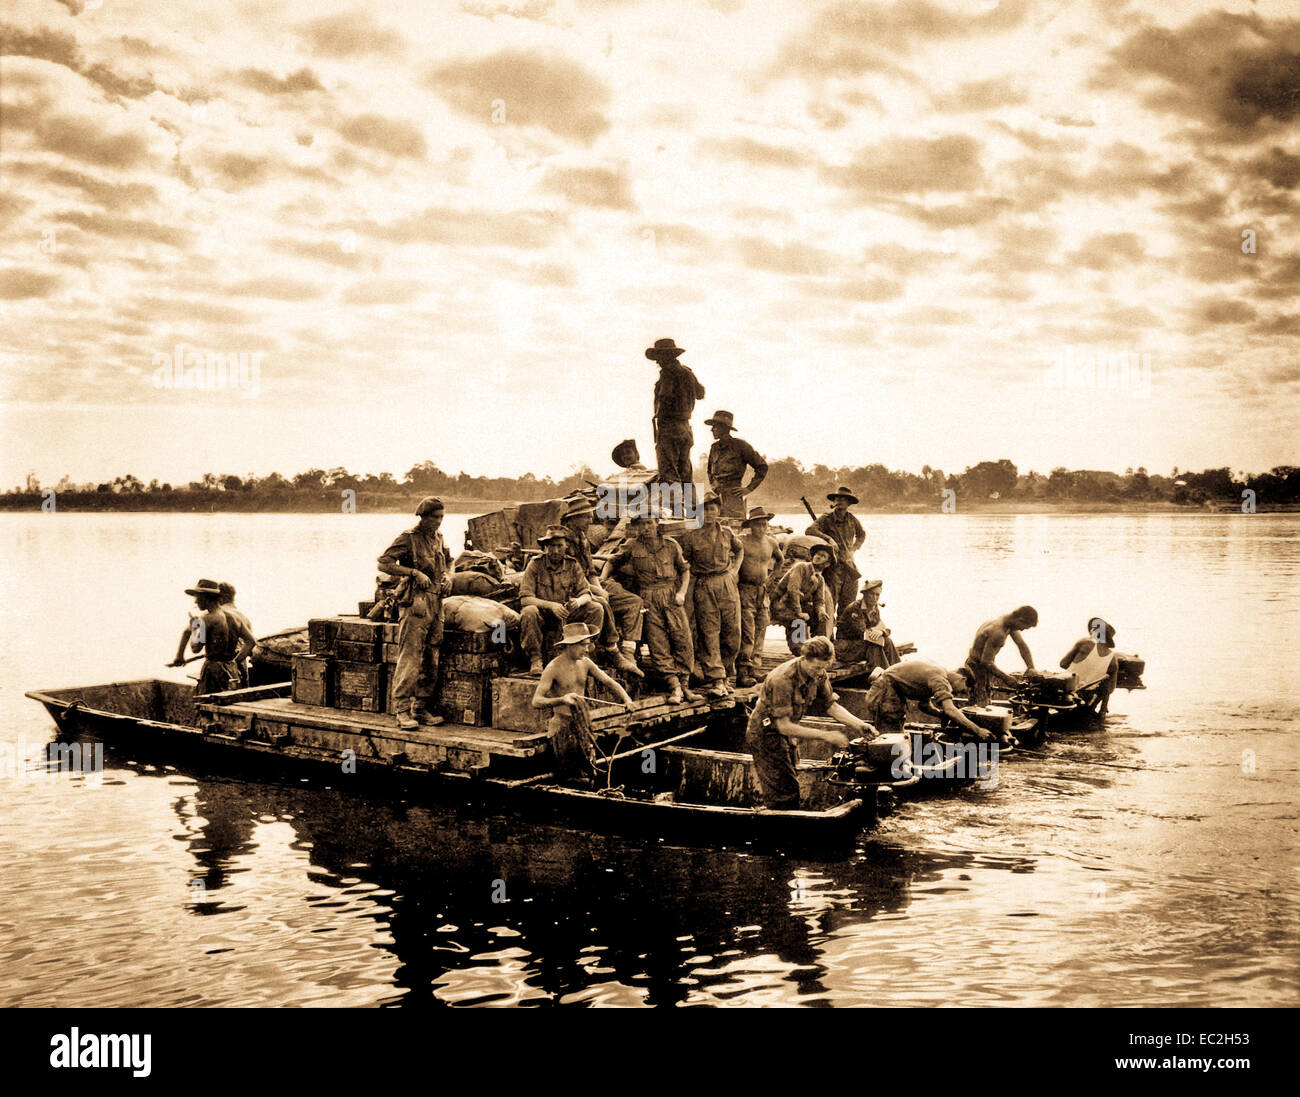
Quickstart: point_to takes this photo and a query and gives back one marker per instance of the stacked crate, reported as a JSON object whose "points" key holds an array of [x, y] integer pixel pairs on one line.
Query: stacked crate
{"points": [[348, 664], [469, 662]]}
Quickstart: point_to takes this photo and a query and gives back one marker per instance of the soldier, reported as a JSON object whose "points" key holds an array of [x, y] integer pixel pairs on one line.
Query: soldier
{"points": [[562, 689], [675, 394], [793, 689], [845, 532], [714, 555], [728, 458], [989, 638], [215, 634], [662, 577], [553, 591], [801, 601], [420, 559], [621, 607], [859, 635], [924, 682], [762, 557]]}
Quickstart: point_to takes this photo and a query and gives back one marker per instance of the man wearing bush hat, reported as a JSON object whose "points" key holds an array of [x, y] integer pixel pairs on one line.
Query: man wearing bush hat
{"points": [[845, 532], [728, 458], [421, 560], [675, 394]]}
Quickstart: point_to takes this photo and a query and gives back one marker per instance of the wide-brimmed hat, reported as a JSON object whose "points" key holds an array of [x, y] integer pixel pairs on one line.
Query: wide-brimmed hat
{"points": [[664, 348], [711, 497], [428, 505], [721, 419], [842, 493], [757, 514], [625, 454], [577, 631], [553, 533], [874, 584], [205, 586]]}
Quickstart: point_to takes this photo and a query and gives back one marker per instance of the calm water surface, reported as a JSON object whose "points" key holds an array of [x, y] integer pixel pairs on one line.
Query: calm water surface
{"points": [[1156, 862]]}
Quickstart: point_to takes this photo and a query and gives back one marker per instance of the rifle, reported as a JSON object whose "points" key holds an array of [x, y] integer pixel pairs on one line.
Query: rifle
{"points": [[808, 507]]}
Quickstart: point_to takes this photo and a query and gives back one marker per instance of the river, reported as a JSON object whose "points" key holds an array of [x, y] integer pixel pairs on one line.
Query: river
{"points": [[1155, 862]]}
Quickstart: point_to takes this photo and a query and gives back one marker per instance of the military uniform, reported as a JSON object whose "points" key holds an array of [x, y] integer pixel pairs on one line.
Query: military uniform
{"points": [[802, 595], [915, 680], [658, 574], [710, 551], [845, 532], [419, 632], [792, 691], [753, 625], [675, 394], [553, 584], [728, 458], [622, 608]]}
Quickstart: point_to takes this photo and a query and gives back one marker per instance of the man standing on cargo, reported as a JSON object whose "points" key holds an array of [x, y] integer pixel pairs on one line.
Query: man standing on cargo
{"points": [[845, 532], [714, 555], [762, 556], [421, 560], [728, 459], [554, 591], [662, 577], [621, 607], [675, 394], [798, 687]]}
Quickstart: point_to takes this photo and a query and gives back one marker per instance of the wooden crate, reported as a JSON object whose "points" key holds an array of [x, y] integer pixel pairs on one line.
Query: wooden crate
{"points": [[455, 640], [389, 654], [364, 608], [359, 651], [464, 698], [495, 530], [512, 705], [359, 630], [471, 662], [321, 634], [361, 687], [312, 679]]}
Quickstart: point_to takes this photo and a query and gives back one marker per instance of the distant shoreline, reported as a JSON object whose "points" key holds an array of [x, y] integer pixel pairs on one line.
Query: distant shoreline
{"points": [[234, 503]]}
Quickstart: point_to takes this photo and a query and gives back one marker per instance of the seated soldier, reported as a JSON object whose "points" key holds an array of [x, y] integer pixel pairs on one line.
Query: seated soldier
{"points": [[924, 682], [553, 592], [1095, 665], [790, 692], [802, 602], [859, 635], [562, 689]]}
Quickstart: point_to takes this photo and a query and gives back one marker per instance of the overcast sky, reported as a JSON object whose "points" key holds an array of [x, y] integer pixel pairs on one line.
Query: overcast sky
{"points": [[451, 229]]}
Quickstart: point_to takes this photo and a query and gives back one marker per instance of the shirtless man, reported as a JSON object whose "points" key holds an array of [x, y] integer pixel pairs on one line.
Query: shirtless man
{"points": [[988, 642], [762, 557], [562, 689]]}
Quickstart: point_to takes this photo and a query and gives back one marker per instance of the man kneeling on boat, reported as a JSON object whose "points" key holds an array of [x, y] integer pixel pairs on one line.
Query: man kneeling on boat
{"points": [[787, 694], [562, 689], [924, 682]]}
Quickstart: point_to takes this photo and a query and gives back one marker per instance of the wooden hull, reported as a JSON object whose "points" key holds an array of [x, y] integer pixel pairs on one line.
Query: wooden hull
{"points": [[260, 730]]}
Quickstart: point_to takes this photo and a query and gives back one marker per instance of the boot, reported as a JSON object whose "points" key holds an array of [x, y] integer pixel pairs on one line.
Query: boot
{"points": [[405, 717], [619, 656], [744, 679], [424, 716], [717, 690], [675, 694], [689, 694]]}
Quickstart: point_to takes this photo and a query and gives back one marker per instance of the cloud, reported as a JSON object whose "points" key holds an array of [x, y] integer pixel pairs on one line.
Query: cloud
{"points": [[1239, 74], [19, 283], [469, 228], [280, 289], [61, 49], [350, 34], [849, 39], [383, 291], [591, 187], [125, 228], [912, 164], [80, 139], [1108, 250], [269, 84], [755, 152], [394, 136], [321, 251], [1280, 168], [792, 258], [979, 95], [527, 88], [109, 195], [1223, 310]]}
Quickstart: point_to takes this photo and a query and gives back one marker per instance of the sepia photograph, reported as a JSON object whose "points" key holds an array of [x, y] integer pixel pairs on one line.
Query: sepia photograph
{"points": [[650, 503]]}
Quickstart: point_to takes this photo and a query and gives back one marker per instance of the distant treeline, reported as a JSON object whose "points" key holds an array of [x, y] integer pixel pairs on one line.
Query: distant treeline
{"points": [[787, 480]]}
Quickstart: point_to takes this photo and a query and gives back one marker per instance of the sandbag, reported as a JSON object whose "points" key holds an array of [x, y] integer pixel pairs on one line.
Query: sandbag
{"points": [[469, 613]]}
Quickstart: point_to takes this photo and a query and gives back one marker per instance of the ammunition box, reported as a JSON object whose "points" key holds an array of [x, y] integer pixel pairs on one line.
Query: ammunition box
{"points": [[321, 634], [464, 698], [312, 680], [359, 630], [360, 687], [359, 651]]}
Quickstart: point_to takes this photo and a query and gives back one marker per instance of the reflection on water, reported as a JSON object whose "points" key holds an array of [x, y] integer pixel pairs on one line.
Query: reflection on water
{"points": [[1154, 862]]}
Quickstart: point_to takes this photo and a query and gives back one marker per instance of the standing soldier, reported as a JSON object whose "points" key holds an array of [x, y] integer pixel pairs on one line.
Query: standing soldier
{"points": [[728, 458], [662, 578], [423, 563], [622, 608], [554, 591], [215, 634], [845, 532], [762, 557], [714, 554], [675, 394]]}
